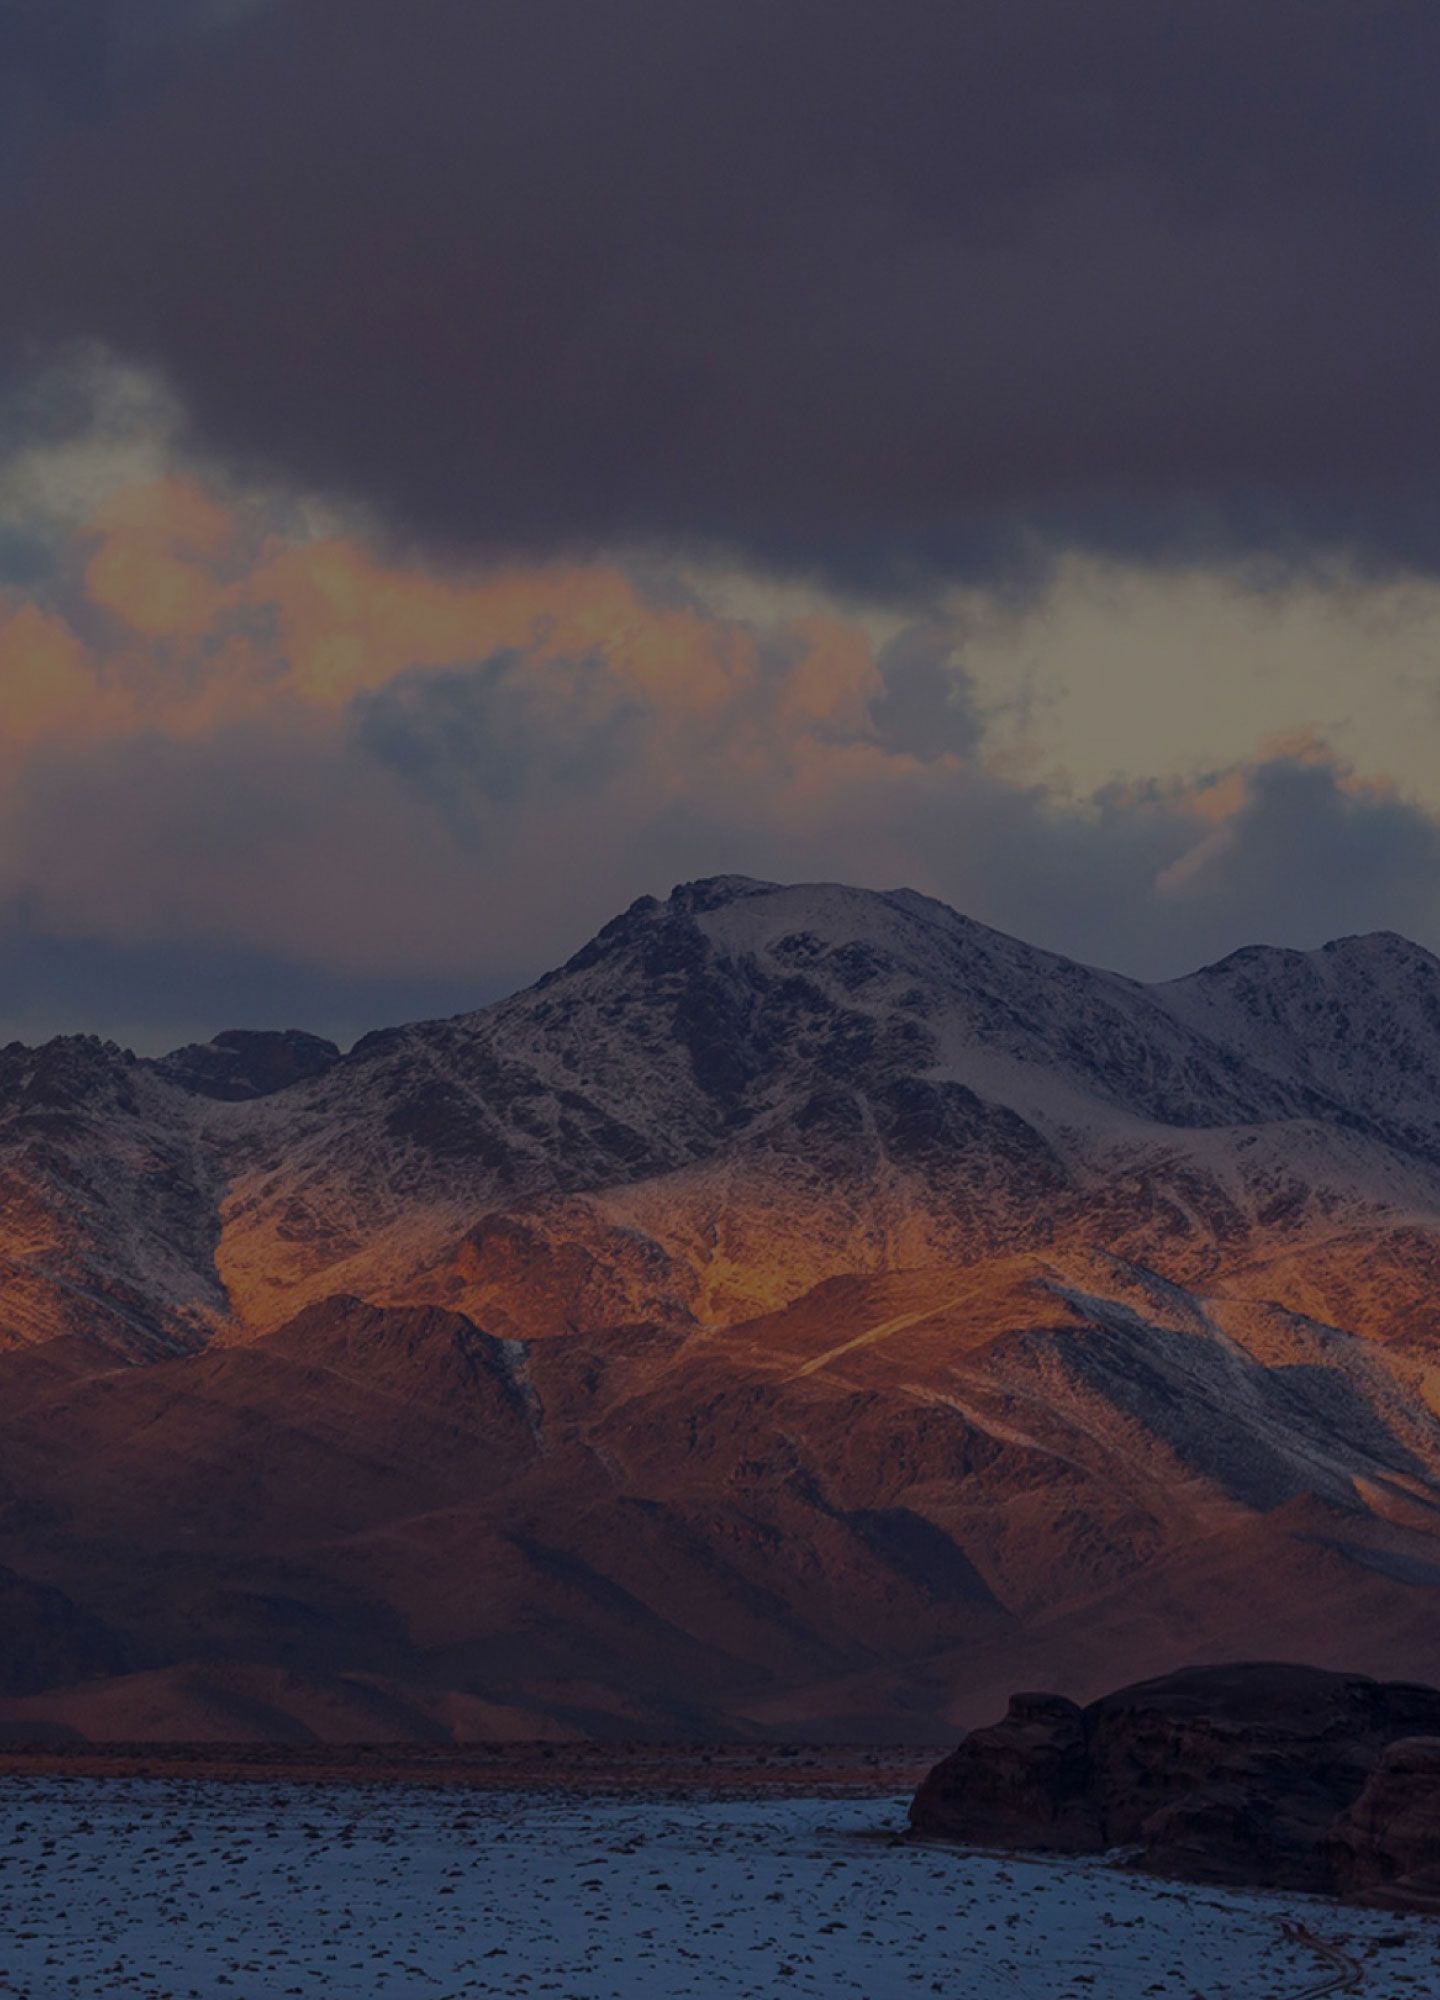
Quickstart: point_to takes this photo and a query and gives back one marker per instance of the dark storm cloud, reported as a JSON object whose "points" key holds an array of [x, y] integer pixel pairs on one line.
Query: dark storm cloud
{"points": [[927, 707], [62, 60], [1132, 879], [1311, 852], [881, 288], [495, 731]]}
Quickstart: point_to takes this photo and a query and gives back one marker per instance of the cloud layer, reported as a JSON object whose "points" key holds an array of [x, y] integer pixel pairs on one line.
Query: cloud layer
{"points": [[245, 758], [464, 466], [881, 290]]}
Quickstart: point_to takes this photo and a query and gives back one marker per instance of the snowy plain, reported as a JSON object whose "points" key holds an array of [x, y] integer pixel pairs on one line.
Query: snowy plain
{"points": [[194, 1890]]}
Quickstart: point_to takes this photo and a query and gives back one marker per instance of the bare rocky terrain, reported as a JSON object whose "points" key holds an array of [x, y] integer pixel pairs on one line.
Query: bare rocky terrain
{"points": [[805, 1314]]}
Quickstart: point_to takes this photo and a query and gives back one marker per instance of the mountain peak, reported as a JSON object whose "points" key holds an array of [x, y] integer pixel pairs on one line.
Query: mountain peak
{"points": [[241, 1063], [1360, 951], [1380, 947], [713, 892], [819, 1240]]}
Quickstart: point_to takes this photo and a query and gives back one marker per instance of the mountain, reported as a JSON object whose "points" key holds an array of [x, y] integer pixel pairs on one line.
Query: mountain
{"points": [[248, 1062], [805, 1311]]}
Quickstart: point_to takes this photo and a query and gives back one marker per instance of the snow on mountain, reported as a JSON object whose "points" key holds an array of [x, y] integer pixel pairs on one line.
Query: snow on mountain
{"points": [[804, 1308], [728, 1096], [1356, 1023], [108, 1202]]}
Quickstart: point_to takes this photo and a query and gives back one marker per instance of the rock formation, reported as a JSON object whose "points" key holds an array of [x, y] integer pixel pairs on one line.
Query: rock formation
{"points": [[1386, 1846], [1268, 1775]]}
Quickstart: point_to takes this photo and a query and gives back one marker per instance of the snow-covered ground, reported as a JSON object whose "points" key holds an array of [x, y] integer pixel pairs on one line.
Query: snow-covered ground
{"points": [[248, 1892]]}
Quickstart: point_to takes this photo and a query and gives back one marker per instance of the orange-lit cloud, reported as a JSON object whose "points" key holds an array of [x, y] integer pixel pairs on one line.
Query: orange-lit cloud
{"points": [[289, 745], [47, 680], [195, 639]]}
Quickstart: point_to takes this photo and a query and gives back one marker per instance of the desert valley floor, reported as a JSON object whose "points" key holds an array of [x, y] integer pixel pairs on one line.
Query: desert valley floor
{"points": [[191, 1889]]}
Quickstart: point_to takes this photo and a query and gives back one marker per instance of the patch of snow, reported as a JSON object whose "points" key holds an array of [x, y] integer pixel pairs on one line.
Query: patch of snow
{"points": [[192, 1890]]}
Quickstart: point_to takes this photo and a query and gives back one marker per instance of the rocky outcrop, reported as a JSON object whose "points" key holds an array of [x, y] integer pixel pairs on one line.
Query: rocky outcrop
{"points": [[243, 1063], [1025, 1783], [1269, 1775], [1386, 1847]]}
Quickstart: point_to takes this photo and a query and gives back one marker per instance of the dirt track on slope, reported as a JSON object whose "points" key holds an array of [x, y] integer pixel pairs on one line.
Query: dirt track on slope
{"points": [[1346, 1974]]}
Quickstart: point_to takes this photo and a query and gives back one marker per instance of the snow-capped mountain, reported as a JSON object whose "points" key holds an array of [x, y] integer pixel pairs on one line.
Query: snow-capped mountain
{"points": [[979, 1285], [728, 1096]]}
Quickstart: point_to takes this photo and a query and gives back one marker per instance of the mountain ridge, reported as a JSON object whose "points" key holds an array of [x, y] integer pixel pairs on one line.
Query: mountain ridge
{"points": [[709, 892], [803, 1307]]}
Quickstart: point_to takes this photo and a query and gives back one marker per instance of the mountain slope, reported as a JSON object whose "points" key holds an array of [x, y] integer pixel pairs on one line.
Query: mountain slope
{"points": [[804, 1307], [771, 1085]]}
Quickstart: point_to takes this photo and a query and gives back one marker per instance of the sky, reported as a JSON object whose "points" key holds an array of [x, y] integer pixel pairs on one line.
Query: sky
{"points": [[463, 468]]}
